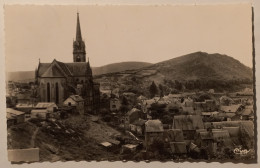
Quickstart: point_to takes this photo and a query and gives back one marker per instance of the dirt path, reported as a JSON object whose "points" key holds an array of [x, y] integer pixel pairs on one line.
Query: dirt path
{"points": [[33, 137]]}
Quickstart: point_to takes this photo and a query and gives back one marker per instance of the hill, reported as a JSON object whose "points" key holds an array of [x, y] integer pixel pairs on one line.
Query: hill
{"points": [[26, 76], [203, 66], [118, 67], [197, 70], [20, 76]]}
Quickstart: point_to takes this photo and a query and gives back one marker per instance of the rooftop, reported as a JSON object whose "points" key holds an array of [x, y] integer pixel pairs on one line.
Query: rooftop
{"points": [[230, 109], [13, 112], [45, 104], [153, 126], [188, 122]]}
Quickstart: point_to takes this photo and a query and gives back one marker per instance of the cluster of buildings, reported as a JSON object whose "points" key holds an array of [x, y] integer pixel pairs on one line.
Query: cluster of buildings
{"points": [[211, 125]]}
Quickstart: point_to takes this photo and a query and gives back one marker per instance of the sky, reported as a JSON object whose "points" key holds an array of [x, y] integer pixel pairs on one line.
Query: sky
{"points": [[125, 33]]}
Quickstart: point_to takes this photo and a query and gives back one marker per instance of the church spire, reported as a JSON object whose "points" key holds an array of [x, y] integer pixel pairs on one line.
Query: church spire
{"points": [[78, 31], [79, 52]]}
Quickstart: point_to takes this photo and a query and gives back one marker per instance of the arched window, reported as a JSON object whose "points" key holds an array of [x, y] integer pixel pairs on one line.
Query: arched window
{"points": [[48, 92], [57, 93]]}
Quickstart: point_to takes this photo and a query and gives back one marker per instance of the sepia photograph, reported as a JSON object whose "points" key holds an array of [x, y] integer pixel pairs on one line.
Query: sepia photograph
{"points": [[136, 83]]}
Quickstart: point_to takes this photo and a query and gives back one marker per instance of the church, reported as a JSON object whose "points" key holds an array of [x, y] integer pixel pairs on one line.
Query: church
{"points": [[57, 81]]}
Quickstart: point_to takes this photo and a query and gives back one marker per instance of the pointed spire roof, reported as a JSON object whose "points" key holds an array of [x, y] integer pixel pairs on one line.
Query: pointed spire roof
{"points": [[78, 31], [88, 69]]}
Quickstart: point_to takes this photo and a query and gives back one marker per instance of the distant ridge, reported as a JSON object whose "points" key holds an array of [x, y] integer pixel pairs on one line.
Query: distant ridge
{"points": [[193, 66], [118, 67], [203, 66]]}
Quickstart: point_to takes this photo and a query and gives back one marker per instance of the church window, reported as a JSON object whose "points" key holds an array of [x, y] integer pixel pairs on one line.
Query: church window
{"points": [[78, 59], [48, 92], [57, 93]]}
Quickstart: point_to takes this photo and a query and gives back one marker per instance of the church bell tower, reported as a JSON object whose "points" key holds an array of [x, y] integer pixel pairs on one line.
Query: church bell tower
{"points": [[79, 52]]}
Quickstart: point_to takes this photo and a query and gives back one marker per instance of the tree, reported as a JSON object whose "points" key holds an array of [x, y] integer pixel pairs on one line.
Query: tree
{"points": [[178, 85], [125, 105], [161, 90], [153, 90], [107, 118], [166, 119], [157, 110]]}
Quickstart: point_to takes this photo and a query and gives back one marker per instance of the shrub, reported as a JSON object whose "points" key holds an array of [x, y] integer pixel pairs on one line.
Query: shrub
{"points": [[107, 118]]}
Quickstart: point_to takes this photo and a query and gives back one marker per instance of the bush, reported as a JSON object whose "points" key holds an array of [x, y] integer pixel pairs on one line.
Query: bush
{"points": [[107, 118], [167, 119]]}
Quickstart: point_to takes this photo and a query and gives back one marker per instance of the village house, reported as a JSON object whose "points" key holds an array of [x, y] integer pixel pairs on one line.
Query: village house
{"points": [[206, 106], [23, 98], [49, 106], [146, 104], [141, 98], [138, 127], [43, 110], [246, 114], [246, 92], [214, 140], [206, 115], [40, 113], [188, 124], [130, 96], [131, 116], [115, 91], [187, 102], [27, 108], [75, 101], [10, 101], [173, 135], [153, 130], [225, 101], [129, 148], [14, 117], [230, 111], [114, 104]]}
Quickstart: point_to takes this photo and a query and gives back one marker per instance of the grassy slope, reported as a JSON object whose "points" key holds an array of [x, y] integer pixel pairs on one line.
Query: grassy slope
{"points": [[72, 139], [202, 66]]}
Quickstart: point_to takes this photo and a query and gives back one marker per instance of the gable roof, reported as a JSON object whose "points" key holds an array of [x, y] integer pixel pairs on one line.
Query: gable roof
{"points": [[76, 98], [233, 131], [230, 109], [11, 112], [53, 71], [188, 122], [77, 68], [60, 69], [133, 110], [247, 112], [153, 126]]}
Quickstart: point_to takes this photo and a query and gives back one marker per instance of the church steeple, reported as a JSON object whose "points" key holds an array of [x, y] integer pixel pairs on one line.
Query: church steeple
{"points": [[79, 52], [78, 31]]}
